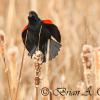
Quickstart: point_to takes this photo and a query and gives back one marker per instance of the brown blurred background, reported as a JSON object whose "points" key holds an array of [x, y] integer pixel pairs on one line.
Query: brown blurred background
{"points": [[66, 69]]}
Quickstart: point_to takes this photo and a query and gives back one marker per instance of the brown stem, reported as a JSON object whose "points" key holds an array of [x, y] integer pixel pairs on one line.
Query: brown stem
{"points": [[37, 93], [37, 82], [37, 78], [7, 74], [20, 74], [21, 67]]}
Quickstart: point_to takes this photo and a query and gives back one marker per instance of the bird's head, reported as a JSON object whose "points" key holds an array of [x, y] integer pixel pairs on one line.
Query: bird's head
{"points": [[33, 17]]}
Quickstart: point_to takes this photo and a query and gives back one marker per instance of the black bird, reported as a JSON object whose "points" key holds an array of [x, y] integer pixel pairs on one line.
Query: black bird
{"points": [[36, 34]]}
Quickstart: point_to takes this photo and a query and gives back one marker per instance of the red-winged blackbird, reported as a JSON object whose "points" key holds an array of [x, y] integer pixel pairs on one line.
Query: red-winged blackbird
{"points": [[36, 34]]}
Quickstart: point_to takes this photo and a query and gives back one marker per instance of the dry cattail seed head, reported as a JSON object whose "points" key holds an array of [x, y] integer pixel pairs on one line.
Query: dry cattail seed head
{"points": [[2, 41], [2, 37], [87, 55], [38, 57], [87, 48], [87, 59], [37, 80]]}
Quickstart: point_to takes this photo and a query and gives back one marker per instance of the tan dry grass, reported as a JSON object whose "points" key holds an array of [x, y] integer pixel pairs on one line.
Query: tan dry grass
{"points": [[69, 16]]}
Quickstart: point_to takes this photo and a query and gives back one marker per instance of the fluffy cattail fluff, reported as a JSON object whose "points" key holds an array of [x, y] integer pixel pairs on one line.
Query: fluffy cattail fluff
{"points": [[38, 60], [12, 58], [38, 57], [91, 63], [88, 64]]}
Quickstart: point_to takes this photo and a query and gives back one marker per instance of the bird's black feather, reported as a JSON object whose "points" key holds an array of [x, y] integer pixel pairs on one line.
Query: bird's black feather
{"points": [[54, 31], [32, 31]]}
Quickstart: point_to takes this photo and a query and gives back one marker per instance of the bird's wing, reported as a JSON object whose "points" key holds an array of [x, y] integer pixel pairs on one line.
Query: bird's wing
{"points": [[52, 29], [47, 21], [25, 28], [29, 44], [24, 32]]}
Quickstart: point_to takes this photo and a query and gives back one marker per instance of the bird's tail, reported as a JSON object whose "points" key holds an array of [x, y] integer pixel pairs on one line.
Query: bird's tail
{"points": [[54, 48]]}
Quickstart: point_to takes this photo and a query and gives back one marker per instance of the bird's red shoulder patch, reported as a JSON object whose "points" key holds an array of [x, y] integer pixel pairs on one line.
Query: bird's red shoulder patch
{"points": [[47, 21], [25, 28]]}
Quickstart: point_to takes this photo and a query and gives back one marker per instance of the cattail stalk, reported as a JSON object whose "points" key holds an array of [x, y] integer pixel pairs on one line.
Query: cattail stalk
{"points": [[46, 80], [47, 67], [47, 58], [10, 15], [89, 68], [2, 52], [38, 60], [20, 73], [12, 57], [33, 5], [7, 74], [97, 67]]}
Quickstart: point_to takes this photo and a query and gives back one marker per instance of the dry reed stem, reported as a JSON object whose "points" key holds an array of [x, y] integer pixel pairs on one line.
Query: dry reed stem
{"points": [[47, 62], [46, 80], [10, 16], [2, 52], [7, 74], [20, 73], [12, 57], [33, 5], [37, 93], [53, 12], [97, 71]]}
